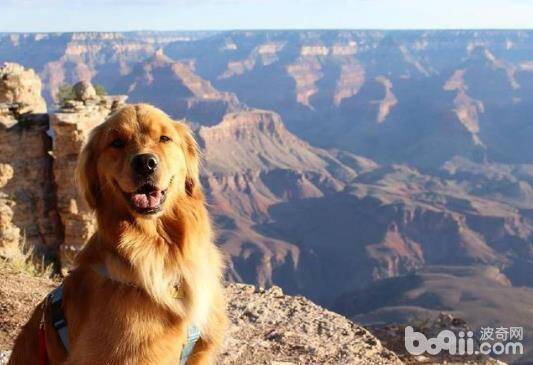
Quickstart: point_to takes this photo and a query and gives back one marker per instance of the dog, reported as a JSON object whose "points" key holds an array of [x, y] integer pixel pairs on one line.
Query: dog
{"points": [[151, 270]]}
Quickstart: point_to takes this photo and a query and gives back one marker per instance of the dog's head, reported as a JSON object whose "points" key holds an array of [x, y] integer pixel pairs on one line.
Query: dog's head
{"points": [[138, 160]]}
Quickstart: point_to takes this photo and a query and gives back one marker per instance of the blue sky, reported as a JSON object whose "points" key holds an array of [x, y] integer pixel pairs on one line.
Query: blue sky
{"points": [[106, 15]]}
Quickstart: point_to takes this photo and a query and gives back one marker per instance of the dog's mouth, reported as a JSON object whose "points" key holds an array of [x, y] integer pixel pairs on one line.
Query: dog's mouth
{"points": [[147, 199]]}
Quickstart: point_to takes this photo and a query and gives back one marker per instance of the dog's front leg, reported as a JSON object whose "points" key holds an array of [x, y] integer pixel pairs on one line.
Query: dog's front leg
{"points": [[204, 353], [206, 349]]}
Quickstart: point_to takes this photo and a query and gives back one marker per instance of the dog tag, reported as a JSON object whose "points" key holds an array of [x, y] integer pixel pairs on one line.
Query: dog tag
{"points": [[177, 293]]}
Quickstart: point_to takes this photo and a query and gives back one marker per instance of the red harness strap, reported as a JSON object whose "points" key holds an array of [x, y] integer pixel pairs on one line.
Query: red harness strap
{"points": [[43, 357]]}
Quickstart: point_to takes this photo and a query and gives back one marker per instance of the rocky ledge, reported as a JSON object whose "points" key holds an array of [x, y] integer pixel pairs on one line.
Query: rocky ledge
{"points": [[267, 327]]}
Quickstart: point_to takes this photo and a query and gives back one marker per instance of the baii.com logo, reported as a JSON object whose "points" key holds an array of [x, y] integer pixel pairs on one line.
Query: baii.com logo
{"points": [[492, 341]]}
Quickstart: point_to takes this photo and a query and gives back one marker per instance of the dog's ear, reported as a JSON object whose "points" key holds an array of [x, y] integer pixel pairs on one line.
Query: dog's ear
{"points": [[192, 158], [86, 175]]}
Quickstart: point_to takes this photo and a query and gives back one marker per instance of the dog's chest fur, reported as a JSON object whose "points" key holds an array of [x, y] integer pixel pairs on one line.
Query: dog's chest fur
{"points": [[158, 268]]}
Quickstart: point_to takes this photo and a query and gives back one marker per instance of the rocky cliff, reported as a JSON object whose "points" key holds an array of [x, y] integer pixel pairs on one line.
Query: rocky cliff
{"points": [[177, 89], [39, 205], [27, 192], [360, 91], [69, 57], [252, 164], [71, 126], [440, 93], [268, 327]]}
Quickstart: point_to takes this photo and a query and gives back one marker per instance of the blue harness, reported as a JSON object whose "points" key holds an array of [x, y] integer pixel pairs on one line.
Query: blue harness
{"points": [[55, 299]]}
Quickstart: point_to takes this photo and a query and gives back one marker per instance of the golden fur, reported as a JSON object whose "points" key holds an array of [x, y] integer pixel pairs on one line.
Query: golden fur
{"points": [[110, 322]]}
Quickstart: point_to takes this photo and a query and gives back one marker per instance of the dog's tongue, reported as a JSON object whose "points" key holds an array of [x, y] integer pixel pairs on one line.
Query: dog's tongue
{"points": [[147, 200]]}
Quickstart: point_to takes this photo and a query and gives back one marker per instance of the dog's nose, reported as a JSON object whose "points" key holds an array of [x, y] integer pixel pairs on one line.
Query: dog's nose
{"points": [[145, 164]]}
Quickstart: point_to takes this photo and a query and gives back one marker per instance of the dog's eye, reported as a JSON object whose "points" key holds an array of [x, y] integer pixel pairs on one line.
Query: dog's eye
{"points": [[118, 143], [164, 139]]}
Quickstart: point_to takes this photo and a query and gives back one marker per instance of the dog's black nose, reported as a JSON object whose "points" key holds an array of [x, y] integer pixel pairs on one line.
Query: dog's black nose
{"points": [[145, 164]]}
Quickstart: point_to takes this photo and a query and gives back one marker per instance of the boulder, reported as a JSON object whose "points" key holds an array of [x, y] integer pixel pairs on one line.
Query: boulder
{"points": [[84, 91], [21, 89]]}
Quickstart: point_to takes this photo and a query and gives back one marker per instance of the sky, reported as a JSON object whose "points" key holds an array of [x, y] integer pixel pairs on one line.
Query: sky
{"points": [[123, 15]]}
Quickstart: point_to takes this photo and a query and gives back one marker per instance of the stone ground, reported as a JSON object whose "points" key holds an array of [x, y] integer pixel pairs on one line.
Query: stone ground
{"points": [[267, 327], [20, 292]]}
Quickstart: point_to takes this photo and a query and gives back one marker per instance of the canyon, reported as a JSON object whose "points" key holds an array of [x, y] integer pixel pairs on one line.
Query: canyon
{"points": [[337, 164]]}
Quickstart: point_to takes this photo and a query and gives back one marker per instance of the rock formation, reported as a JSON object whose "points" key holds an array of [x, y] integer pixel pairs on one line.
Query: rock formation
{"points": [[67, 58], [253, 164], [39, 201], [9, 232], [71, 126], [21, 87], [177, 89], [27, 205]]}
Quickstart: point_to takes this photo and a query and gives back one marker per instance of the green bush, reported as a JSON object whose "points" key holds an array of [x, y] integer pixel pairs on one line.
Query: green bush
{"points": [[100, 90], [64, 93]]}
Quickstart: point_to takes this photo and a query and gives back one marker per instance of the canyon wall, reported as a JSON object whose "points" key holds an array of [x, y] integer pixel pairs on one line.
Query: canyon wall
{"points": [[27, 203], [71, 126], [40, 207], [442, 119]]}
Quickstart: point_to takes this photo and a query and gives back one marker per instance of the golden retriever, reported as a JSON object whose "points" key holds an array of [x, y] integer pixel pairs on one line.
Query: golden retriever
{"points": [[139, 173]]}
